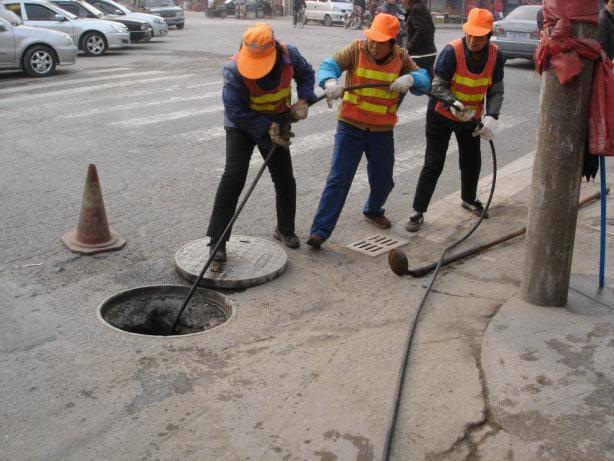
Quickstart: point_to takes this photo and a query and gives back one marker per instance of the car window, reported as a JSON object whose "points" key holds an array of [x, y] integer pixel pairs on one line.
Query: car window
{"points": [[523, 13], [71, 8], [37, 12], [159, 3], [15, 8], [105, 7], [9, 16]]}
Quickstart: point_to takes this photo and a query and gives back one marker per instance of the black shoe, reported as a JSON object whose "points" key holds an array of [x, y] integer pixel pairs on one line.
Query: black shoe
{"points": [[220, 255], [290, 240], [315, 241], [415, 222], [476, 207]]}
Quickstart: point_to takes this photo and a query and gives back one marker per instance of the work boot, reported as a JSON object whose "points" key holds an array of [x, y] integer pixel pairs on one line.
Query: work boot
{"points": [[315, 241], [380, 221], [290, 240], [220, 256], [415, 222], [476, 207]]}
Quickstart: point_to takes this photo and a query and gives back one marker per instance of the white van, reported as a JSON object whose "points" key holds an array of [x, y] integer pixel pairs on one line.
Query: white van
{"points": [[327, 12]]}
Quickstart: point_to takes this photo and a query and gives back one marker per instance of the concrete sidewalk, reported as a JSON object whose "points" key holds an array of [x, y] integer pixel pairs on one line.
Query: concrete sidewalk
{"points": [[306, 369]]}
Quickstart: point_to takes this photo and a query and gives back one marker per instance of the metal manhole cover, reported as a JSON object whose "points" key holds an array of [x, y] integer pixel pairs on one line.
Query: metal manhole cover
{"points": [[251, 261], [376, 244], [150, 310]]}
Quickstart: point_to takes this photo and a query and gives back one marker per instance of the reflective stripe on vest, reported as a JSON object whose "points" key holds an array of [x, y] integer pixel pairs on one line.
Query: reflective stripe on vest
{"points": [[467, 87], [276, 100], [371, 106]]}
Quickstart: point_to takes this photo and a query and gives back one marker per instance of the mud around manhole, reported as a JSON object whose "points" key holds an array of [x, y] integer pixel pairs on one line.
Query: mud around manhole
{"points": [[150, 310]]}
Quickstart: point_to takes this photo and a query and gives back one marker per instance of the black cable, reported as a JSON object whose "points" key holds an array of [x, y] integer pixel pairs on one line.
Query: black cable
{"points": [[414, 320]]}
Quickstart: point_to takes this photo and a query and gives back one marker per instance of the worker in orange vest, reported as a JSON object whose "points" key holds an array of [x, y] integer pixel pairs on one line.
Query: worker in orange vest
{"points": [[366, 119], [468, 71]]}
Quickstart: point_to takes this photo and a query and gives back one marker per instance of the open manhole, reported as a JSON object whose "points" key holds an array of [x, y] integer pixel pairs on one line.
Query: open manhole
{"points": [[150, 310]]}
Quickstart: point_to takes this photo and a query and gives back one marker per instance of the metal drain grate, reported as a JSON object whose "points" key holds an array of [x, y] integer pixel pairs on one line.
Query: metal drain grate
{"points": [[376, 244]]}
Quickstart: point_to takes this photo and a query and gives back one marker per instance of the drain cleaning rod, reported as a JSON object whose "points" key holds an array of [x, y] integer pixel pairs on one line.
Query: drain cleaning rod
{"points": [[414, 318], [222, 238]]}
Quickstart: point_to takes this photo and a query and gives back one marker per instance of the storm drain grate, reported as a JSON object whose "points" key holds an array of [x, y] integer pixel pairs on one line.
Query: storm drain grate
{"points": [[376, 244]]}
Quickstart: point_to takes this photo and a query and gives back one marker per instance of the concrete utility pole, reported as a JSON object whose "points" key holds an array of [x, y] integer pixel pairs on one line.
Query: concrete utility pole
{"points": [[557, 174]]}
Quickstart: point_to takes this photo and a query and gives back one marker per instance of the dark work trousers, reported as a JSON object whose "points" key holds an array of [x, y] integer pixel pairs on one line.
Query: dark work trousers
{"points": [[426, 63], [239, 149], [439, 129]]}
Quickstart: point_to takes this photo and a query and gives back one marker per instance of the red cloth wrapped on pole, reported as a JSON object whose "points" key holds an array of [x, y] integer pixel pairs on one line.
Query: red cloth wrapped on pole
{"points": [[562, 52]]}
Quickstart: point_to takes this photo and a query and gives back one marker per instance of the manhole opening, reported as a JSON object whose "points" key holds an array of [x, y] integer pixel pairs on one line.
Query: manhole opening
{"points": [[150, 310]]}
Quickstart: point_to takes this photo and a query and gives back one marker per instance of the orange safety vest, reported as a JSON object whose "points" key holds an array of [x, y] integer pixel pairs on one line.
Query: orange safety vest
{"points": [[278, 99], [467, 87], [372, 106]]}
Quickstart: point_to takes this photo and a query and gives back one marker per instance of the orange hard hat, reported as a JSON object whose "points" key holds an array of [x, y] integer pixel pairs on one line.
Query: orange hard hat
{"points": [[257, 54], [479, 22], [383, 28]]}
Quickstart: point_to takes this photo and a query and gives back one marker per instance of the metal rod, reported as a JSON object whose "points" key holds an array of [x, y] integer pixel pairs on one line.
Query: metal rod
{"points": [[604, 190]]}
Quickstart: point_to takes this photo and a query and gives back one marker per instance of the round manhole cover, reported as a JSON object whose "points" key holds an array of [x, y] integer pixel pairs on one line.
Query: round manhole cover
{"points": [[251, 261], [150, 310]]}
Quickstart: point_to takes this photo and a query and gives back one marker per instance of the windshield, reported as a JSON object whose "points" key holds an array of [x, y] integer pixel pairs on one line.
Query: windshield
{"points": [[524, 13], [157, 3], [116, 5], [92, 9], [59, 10], [9, 16]]}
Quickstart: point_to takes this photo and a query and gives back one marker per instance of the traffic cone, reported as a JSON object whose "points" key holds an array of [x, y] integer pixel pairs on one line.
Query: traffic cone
{"points": [[93, 234]]}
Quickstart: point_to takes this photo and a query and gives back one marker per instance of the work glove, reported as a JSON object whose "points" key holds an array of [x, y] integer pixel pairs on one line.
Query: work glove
{"points": [[486, 129], [299, 111], [459, 110], [333, 91], [402, 84], [280, 136]]}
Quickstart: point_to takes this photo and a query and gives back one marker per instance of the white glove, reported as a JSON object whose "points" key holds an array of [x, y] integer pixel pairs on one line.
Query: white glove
{"points": [[461, 112], [299, 111], [333, 91], [278, 137], [488, 128], [402, 84]]}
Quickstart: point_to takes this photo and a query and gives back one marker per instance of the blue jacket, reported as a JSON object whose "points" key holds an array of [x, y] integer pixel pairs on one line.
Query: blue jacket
{"points": [[235, 95]]}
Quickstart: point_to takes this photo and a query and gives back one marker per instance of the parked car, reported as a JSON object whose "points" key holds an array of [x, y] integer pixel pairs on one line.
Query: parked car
{"points": [[262, 8], [157, 24], [172, 14], [138, 28], [328, 12], [36, 51], [93, 36], [517, 35]]}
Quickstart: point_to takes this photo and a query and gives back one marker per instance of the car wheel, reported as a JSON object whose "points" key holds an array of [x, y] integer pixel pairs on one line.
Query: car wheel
{"points": [[260, 14], [94, 44], [180, 26], [328, 21], [39, 61]]}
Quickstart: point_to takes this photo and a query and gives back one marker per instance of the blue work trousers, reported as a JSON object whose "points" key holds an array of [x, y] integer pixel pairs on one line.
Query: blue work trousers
{"points": [[350, 143]]}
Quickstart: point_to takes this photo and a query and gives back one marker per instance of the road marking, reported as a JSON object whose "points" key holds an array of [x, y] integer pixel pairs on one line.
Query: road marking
{"points": [[36, 86], [168, 116], [91, 88]]}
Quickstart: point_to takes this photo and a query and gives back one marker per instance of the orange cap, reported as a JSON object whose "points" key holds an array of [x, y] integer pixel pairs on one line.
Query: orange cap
{"points": [[383, 28], [479, 22], [257, 54]]}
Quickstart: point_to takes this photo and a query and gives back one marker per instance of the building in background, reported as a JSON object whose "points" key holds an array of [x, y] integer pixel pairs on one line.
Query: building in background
{"points": [[456, 11]]}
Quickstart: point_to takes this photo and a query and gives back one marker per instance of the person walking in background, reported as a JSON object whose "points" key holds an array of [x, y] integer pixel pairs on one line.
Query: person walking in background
{"points": [[420, 35], [606, 29], [498, 7], [257, 97], [467, 71], [366, 119], [296, 7]]}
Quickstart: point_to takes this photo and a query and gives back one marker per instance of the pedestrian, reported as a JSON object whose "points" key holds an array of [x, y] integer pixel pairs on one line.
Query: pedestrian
{"points": [[420, 35], [366, 119], [467, 71], [498, 7], [391, 7], [606, 28], [296, 6], [257, 112]]}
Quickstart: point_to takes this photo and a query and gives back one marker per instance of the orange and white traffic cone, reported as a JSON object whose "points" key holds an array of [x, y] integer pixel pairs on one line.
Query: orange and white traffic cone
{"points": [[92, 234]]}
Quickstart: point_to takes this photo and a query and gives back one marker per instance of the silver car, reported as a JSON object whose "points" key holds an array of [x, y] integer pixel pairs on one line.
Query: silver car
{"points": [[517, 35], [37, 51], [93, 36], [159, 28]]}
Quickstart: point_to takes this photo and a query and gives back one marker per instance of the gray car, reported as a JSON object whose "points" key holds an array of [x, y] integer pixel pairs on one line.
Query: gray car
{"points": [[93, 36], [172, 14], [37, 51], [517, 35], [158, 26]]}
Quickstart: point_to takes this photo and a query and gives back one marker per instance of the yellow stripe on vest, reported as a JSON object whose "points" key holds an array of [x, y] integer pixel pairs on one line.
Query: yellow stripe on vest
{"points": [[468, 97], [270, 97], [369, 107], [376, 74], [472, 82], [377, 93]]}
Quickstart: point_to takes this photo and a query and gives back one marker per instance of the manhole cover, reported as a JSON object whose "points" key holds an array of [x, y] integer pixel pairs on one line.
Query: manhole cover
{"points": [[376, 244], [150, 310], [251, 261]]}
